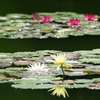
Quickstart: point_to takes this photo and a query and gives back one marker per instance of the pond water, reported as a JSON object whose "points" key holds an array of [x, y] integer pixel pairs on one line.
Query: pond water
{"points": [[67, 44], [70, 44], [8, 93]]}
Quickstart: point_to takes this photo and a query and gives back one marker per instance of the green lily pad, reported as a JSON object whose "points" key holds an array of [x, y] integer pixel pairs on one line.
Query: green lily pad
{"points": [[90, 60], [76, 73], [33, 86], [34, 80], [83, 80], [96, 79], [75, 86], [30, 80]]}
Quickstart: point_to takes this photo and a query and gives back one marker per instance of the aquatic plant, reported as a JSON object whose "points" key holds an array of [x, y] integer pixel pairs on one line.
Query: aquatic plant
{"points": [[40, 69], [90, 17], [37, 67], [35, 16], [46, 19], [40, 73], [60, 60], [74, 21], [44, 25]]}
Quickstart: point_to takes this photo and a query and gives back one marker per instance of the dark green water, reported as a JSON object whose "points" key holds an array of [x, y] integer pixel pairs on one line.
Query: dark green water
{"points": [[24, 6], [8, 93], [67, 44]]}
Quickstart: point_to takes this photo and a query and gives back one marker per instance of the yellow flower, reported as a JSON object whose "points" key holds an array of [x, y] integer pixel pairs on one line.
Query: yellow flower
{"points": [[60, 59], [59, 91]]}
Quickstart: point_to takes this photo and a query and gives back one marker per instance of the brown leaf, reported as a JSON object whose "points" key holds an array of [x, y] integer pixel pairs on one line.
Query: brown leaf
{"points": [[8, 75]]}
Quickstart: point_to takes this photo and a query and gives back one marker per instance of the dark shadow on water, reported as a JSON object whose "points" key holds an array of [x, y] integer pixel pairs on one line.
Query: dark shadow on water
{"points": [[71, 43], [80, 77]]}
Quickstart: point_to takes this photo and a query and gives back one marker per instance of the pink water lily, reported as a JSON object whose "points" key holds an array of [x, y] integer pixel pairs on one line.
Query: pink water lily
{"points": [[35, 16], [46, 19], [90, 17], [74, 21]]}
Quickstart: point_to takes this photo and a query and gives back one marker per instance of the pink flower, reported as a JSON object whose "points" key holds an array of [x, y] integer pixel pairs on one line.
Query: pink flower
{"points": [[91, 17], [74, 21], [46, 19], [35, 16]]}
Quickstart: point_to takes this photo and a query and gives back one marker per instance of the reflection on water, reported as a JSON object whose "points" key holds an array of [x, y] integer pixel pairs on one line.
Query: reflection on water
{"points": [[8, 93]]}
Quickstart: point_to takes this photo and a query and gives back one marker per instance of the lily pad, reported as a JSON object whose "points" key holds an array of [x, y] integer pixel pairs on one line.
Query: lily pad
{"points": [[83, 80], [75, 86], [76, 73], [33, 86], [90, 60]]}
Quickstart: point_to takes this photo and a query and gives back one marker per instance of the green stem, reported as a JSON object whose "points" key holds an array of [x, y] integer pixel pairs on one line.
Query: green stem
{"points": [[63, 73]]}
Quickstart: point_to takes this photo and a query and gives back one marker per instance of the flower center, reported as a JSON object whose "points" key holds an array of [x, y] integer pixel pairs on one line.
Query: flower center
{"points": [[60, 62]]}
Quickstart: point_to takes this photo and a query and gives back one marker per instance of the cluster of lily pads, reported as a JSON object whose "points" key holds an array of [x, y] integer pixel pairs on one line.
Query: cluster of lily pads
{"points": [[16, 67], [44, 25]]}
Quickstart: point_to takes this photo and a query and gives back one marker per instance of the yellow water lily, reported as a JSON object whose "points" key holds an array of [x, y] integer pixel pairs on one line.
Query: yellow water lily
{"points": [[59, 91], [60, 59]]}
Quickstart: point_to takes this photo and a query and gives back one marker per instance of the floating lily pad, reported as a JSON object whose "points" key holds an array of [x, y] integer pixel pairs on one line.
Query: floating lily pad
{"points": [[33, 86], [90, 60], [96, 79], [3, 81], [30, 80], [18, 63], [24, 26], [65, 82], [84, 80], [83, 65], [75, 86], [94, 88], [76, 73]]}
